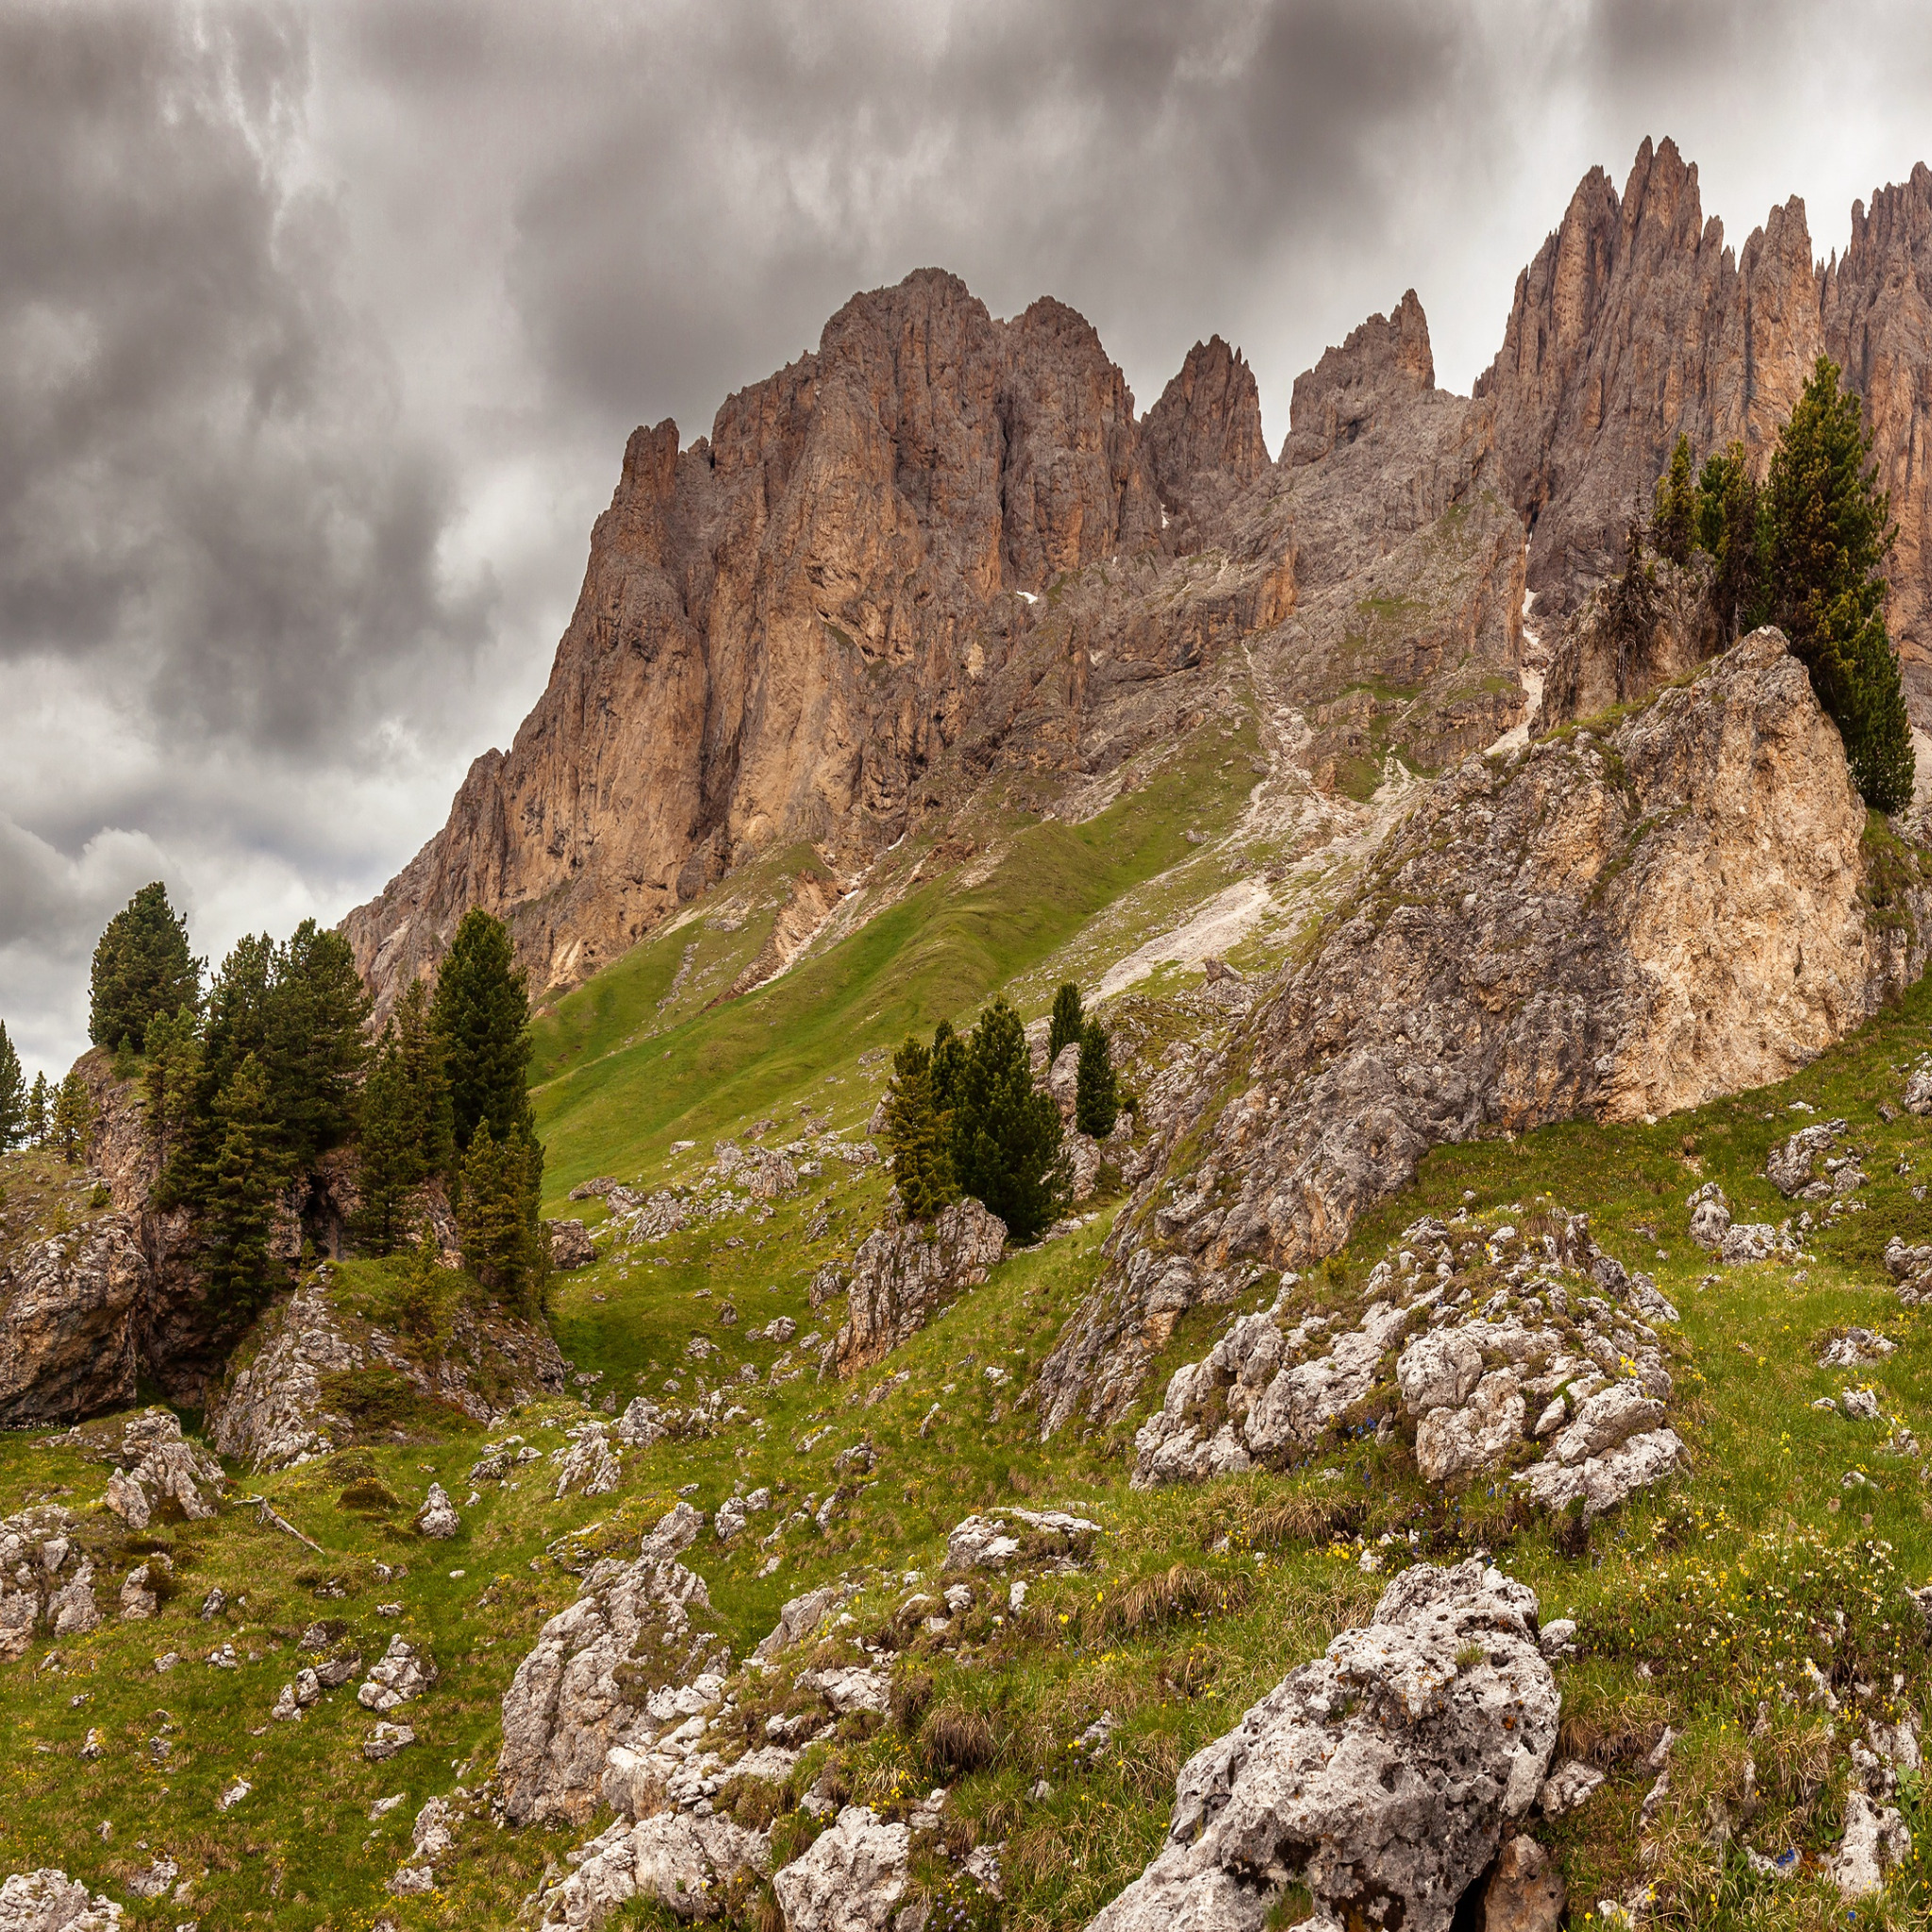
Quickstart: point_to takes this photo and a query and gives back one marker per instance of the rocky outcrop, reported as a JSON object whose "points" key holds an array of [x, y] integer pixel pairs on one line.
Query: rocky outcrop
{"points": [[1204, 439], [1379, 370], [1381, 1776], [49, 1901], [275, 1408], [589, 1686], [1482, 1346], [71, 1312], [685, 1864], [905, 1273], [156, 1466], [1614, 927], [45, 1580], [1628, 637]]}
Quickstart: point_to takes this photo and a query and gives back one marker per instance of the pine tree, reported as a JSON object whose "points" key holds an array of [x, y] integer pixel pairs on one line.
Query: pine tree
{"points": [[1727, 528], [74, 1120], [316, 1010], [948, 1068], [1063, 1030], [38, 1105], [1006, 1140], [481, 1017], [1673, 527], [421, 1298], [1827, 530], [1096, 1098], [13, 1101], [242, 1184], [918, 1136], [141, 968]]}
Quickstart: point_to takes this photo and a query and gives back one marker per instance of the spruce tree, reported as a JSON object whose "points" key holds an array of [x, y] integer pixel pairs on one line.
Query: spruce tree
{"points": [[72, 1120], [242, 1187], [497, 1218], [1673, 527], [1096, 1098], [141, 968], [1063, 1030], [315, 1049], [421, 1298], [170, 1085], [427, 1112], [1827, 530], [13, 1101], [38, 1105], [392, 1158], [918, 1136], [481, 1018], [1006, 1140], [948, 1068]]}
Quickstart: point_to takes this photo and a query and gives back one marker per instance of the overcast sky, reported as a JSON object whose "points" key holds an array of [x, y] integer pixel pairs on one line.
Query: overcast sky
{"points": [[322, 328]]}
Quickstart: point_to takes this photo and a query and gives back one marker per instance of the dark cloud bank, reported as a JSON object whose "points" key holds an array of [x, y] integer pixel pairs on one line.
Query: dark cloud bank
{"points": [[321, 328]]}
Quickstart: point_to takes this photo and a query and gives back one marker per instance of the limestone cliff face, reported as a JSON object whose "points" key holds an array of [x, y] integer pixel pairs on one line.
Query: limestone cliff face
{"points": [[1615, 928], [781, 627]]}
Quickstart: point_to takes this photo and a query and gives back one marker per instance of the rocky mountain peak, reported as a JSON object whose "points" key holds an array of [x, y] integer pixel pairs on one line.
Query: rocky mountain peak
{"points": [[1208, 420], [1380, 366]]}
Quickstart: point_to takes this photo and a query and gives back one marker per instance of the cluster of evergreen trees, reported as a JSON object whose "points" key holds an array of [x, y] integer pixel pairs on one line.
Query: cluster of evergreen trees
{"points": [[41, 1115], [963, 1116], [251, 1085], [1804, 551]]}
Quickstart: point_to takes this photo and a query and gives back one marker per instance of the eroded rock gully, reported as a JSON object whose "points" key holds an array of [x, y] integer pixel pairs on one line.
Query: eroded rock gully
{"points": [[1616, 927]]}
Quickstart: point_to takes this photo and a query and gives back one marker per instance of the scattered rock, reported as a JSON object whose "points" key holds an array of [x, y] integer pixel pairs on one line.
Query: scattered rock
{"points": [[1525, 1892], [437, 1517], [1874, 1839], [799, 1618], [571, 1246], [1804, 1168], [402, 1673], [385, 1740], [684, 1863], [1854, 1349], [1710, 1217], [157, 1464], [993, 1540], [587, 1464], [1381, 1776], [1570, 1787]]}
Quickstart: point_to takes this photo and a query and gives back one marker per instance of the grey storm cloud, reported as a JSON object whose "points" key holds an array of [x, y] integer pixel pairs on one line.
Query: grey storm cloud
{"points": [[322, 325]]}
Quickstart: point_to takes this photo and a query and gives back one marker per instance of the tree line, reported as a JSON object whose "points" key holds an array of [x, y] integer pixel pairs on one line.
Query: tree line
{"points": [[249, 1083], [963, 1116], [1803, 550]]}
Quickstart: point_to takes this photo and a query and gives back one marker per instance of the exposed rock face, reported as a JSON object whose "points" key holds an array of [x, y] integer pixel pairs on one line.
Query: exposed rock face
{"points": [[585, 1687], [1381, 367], [156, 1465], [680, 1863], [1617, 928], [70, 1309], [1381, 1776], [274, 1409], [904, 1274], [1203, 437], [44, 1578], [1599, 660]]}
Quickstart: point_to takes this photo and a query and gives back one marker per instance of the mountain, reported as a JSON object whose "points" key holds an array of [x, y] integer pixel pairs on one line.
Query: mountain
{"points": [[827, 623]]}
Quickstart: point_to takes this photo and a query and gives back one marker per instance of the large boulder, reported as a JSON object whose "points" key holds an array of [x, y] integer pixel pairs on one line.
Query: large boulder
{"points": [[905, 1273], [49, 1901], [585, 1686], [1381, 1776], [155, 1465], [851, 1880], [1614, 926], [683, 1863]]}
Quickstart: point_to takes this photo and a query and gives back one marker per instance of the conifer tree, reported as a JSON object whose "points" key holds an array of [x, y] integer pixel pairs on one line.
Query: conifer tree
{"points": [[1096, 1098], [168, 1087], [392, 1159], [481, 1017], [497, 1220], [422, 1302], [1673, 527], [38, 1107], [315, 1049], [141, 968], [72, 1120], [428, 1114], [1063, 1030], [1827, 530], [918, 1136], [1727, 528], [1008, 1147], [13, 1101], [948, 1068], [242, 1183]]}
